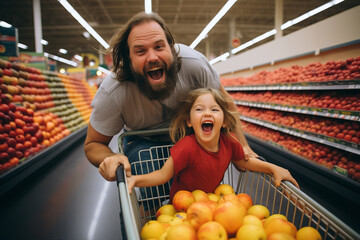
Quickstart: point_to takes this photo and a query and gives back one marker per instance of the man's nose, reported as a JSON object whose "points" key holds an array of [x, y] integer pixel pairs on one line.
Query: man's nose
{"points": [[152, 56]]}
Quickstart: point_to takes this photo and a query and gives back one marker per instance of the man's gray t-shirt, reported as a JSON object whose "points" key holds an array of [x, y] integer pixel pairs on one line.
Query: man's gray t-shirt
{"points": [[120, 104]]}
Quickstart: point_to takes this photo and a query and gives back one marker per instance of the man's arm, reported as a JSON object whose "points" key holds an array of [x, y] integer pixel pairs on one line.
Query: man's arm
{"points": [[100, 155], [239, 132]]}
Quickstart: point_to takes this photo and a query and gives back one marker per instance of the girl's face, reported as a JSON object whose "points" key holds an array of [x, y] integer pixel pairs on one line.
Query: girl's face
{"points": [[206, 118]]}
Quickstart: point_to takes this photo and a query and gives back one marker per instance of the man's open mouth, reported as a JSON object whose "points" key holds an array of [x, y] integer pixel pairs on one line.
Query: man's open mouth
{"points": [[155, 73], [207, 126]]}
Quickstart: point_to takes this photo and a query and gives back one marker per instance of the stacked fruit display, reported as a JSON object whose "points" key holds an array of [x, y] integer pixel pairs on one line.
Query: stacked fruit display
{"points": [[324, 155], [38, 108], [312, 111], [315, 72], [340, 100], [221, 215], [336, 128]]}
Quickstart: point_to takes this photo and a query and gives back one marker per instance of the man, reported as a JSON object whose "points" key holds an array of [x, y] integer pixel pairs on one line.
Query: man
{"points": [[151, 75]]}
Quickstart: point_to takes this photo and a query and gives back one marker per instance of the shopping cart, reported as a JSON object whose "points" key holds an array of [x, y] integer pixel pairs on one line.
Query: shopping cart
{"points": [[286, 199]]}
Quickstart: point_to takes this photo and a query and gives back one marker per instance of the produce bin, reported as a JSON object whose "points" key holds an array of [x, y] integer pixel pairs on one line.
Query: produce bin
{"points": [[286, 199]]}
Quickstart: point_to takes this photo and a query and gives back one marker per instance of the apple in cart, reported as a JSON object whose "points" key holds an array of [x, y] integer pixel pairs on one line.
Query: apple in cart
{"points": [[250, 232], [213, 197], [200, 195], [273, 216], [279, 225], [308, 233], [259, 211], [212, 230], [199, 213], [251, 219], [164, 218], [230, 215], [245, 199], [152, 229], [181, 232], [229, 197], [167, 209], [182, 215], [182, 200], [224, 189], [280, 236]]}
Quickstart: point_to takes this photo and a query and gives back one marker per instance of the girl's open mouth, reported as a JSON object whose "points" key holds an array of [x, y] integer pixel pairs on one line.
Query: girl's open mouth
{"points": [[207, 126]]}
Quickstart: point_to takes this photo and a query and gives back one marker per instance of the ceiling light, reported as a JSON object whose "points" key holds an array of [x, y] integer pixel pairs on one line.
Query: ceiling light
{"points": [[23, 46], [283, 26], [148, 6], [310, 13], [86, 35], [222, 57], [5, 24], [212, 23], [83, 23], [78, 57], [44, 42], [60, 59], [63, 51]]}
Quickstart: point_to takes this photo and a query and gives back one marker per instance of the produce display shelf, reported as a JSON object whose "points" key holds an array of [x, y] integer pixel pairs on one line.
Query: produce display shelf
{"points": [[25, 169], [351, 84], [323, 112]]}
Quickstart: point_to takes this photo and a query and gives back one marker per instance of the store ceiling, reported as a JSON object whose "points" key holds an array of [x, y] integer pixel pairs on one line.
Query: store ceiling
{"points": [[186, 19]]}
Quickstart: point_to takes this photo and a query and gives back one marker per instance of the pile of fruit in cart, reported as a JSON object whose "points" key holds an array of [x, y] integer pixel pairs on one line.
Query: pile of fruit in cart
{"points": [[221, 215]]}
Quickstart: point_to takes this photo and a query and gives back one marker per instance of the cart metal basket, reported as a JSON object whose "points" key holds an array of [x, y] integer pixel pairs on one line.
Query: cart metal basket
{"points": [[286, 199]]}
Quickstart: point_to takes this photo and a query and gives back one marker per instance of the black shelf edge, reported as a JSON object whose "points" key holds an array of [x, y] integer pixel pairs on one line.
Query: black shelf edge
{"points": [[348, 84], [24, 170], [314, 111]]}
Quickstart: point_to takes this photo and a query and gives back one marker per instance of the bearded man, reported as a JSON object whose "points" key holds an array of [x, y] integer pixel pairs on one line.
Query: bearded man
{"points": [[151, 75]]}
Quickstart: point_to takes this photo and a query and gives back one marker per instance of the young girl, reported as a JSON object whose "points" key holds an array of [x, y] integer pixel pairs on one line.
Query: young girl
{"points": [[205, 145]]}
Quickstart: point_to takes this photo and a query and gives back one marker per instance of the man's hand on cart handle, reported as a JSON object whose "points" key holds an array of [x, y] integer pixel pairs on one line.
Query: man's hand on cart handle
{"points": [[108, 167]]}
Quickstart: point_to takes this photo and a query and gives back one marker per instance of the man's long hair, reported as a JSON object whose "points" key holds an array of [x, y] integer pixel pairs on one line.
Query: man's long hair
{"points": [[120, 49]]}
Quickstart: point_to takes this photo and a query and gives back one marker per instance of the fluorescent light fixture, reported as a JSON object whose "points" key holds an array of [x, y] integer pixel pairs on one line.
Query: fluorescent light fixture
{"points": [[83, 23], [212, 23], [63, 51], [283, 26], [5, 24], [148, 6], [253, 41], [44, 42], [23, 46], [309, 14], [222, 57], [60, 59], [78, 57], [86, 35], [104, 70]]}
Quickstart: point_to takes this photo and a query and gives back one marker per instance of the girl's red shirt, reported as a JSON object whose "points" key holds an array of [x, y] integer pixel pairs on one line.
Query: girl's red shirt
{"points": [[197, 168]]}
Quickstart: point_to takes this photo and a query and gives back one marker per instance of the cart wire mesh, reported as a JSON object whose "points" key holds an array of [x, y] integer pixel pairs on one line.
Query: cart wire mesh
{"points": [[285, 199]]}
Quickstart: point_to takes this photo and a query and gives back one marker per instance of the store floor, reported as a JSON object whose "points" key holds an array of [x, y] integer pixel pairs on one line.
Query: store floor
{"points": [[67, 200]]}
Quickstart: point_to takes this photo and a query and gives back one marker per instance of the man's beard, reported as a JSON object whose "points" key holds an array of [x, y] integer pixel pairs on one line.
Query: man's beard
{"points": [[163, 90]]}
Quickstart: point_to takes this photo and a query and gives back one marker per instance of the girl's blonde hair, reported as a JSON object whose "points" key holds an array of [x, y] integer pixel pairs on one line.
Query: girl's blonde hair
{"points": [[179, 128]]}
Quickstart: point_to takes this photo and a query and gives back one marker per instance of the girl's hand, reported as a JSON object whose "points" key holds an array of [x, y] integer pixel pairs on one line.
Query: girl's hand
{"points": [[108, 167], [280, 174], [131, 182], [249, 153]]}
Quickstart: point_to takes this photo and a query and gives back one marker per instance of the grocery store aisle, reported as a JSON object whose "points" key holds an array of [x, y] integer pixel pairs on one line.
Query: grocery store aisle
{"points": [[67, 200]]}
